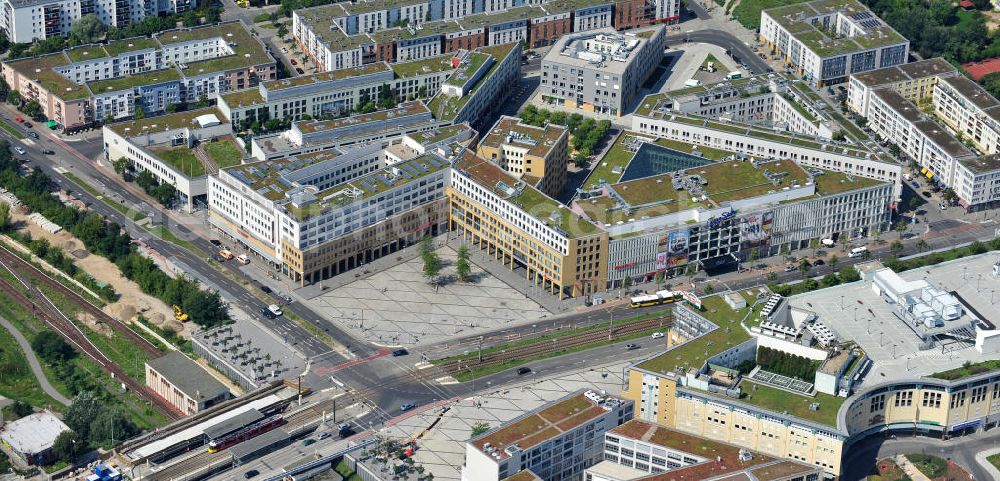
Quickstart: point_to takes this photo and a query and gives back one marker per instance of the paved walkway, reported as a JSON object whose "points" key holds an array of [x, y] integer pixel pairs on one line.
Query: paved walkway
{"points": [[910, 469], [988, 466], [36, 368]]}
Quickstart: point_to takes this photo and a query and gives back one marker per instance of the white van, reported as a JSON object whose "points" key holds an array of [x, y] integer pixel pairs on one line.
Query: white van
{"points": [[857, 251], [692, 83], [275, 309]]}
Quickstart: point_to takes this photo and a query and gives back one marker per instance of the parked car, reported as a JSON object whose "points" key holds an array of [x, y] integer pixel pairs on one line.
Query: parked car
{"points": [[267, 313], [657, 335], [789, 268], [818, 262], [400, 352], [216, 242], [323, 435], [18, 119], [27, 125], [33, 135], [300, 71], [293, 62], [49, 152], [265, 289], [250, 474], [406, 407], [926, 194], [523, 370], [915, 184], [18, 149], [345, 430], [631, 346]]}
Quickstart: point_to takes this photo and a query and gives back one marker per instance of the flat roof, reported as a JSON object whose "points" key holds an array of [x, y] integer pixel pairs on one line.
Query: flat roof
{"points": [[161, 123], [232, 424], [429, 137], [33, 433], [526, 197], [547, 422], [187, 376], [481, 20], [446, 107], [982, 164], [40, 69], [797, 19], [368, 6], [510, 131], [567, 49], [125, 45], [972, 91], [86, 52], [426, 29], [523, 475], [943, 137], [153, 77], [908, 71], [248, 51], [243, 98], [424, 66], [407, 109]]}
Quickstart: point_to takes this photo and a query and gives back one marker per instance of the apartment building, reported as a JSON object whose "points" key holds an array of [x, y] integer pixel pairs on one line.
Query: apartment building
{"points": [[162, 146], [827, 42], [643, 451], [474, 92], [536, 155], [25, 21], [600, 71], [102, 82], [344, 35], [184, 384], [941, 120], [556, 442]]}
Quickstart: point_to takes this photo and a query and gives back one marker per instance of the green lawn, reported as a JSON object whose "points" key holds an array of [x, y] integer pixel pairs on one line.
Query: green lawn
{"points": [[779, 400], [225, 153], [13, 131], [931, 466], [715, 62], [994, 460], [182, 159], [17, 381], [968, 370], [748, 11]]}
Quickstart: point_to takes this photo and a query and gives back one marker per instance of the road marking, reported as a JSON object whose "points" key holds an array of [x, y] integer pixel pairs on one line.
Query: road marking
{"points": [[28, 141], [427, 365], [446, 381]]}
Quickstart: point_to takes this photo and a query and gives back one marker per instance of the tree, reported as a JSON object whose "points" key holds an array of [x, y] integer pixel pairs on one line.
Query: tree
{"points": [[921, 244], [480, 428], [21, 409], [432, 262], [4, 216], [139, 113], [213, 14], [121, 165], [900, 228], [32, 109], [110, 426], [462, 264], [68, 446], [839, 136], [14, 98], [171, 108], [833, 262], [146, 180], [52, 348], [81, 412], [190, 18], [804, 266], [87, 29], [627, 282], [896, 247], [848, 274]]}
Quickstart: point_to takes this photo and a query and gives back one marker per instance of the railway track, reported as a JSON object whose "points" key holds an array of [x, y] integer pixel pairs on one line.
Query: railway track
{"points": [[43, 308], [555, 345], [12, 260]]}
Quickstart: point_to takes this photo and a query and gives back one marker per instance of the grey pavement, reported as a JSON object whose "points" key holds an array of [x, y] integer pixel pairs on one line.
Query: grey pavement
{"points": [[861, 457], [36, 367]]}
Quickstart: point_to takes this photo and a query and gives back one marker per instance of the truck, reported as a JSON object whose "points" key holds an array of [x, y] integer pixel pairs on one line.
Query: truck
{"points": [[692, 83], [734, 76]]}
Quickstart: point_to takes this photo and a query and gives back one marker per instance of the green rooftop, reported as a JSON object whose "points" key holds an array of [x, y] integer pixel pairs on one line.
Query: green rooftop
{"points": [[86, 52], [560, 6], [832, 182], [426, 29], [480, 20], [467, 70], [968, 370], [429, 137], [368, 6], [162, 123], [243, 98], [118, 47], [40, 69], [693, 353], [293, 82], [798, 20], [406, 109], [133, 81], [182, 159], [247, 50], [440, 63], [781, 401], [446, 107]]}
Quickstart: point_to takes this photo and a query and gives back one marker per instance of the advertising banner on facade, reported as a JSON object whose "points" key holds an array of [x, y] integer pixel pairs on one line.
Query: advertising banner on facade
{"points": [[672, 250], [756, 228]]}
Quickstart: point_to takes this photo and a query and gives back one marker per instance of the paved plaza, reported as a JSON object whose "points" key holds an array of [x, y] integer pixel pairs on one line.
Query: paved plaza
{"points": [[442, 432], [855, 312], [399, 307]]}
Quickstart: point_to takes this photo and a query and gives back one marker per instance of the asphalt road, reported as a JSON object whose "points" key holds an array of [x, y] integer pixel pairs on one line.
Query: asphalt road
{"points": [[861, 457], [725, 40]]}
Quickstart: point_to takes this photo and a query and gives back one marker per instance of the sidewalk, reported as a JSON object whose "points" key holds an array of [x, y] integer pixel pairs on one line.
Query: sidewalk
{"points": [[981, 458]]}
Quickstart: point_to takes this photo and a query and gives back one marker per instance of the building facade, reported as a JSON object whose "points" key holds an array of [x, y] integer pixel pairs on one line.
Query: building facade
{"points": [[25, 21], [529, 152], [828, 42], [184, 384], [600, 71]]}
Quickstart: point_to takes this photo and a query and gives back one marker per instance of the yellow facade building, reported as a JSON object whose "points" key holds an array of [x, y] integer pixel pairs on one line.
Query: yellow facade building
{"points": [[535, 155]]}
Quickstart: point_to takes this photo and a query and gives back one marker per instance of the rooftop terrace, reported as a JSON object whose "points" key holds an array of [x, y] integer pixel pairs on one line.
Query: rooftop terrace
{"points": [[440, 63], [539, 141], [406, 109]]}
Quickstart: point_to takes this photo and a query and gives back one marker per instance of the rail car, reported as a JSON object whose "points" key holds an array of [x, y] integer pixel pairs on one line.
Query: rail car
{"points": [[247, 432], [660, 297]]}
